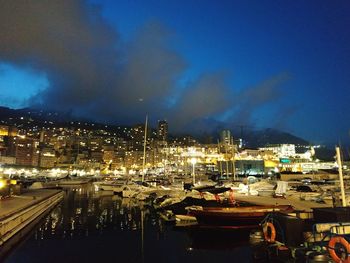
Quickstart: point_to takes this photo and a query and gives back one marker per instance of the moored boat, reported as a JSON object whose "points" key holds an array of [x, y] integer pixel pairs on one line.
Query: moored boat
{"points": [[240, 217]]}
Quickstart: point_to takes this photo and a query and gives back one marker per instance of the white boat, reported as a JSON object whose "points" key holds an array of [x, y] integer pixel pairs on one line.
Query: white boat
{"points": [[266, 192], [185, 220], [131, 190], [115, 185]]}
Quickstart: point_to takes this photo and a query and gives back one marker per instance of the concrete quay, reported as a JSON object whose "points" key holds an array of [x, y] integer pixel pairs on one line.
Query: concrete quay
{"points": [[16, 212]]}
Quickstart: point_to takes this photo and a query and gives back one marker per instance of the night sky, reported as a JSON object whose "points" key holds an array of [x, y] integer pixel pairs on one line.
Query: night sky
{"points": [[262, 64]]}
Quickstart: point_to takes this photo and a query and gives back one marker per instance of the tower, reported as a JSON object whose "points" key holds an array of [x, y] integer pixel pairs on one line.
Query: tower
{"points": [[162, 132], [225, 137]]}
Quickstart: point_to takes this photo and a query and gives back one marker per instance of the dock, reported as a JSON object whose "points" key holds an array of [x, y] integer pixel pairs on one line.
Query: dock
{"points": [[16, 212]]}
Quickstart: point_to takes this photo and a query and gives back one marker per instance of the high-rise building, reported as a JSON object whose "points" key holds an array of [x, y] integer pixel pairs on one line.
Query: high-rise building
{"points": [[225, 137], [162, 132]]}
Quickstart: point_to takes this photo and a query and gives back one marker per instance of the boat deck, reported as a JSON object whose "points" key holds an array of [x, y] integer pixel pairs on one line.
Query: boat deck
{"points": [[295, 202]]}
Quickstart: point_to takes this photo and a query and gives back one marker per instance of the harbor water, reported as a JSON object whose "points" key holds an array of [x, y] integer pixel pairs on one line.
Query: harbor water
{"points": [[91, 226]]}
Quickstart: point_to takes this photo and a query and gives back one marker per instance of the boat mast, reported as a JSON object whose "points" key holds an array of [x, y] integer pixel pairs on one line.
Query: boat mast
{"points": [[226, 160], [340, 170], [144, 151], [142, 236], [220, 164], [233, 162]]}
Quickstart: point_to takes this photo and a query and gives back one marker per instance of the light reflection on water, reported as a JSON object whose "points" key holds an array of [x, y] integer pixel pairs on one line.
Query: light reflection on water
{"points": [[90, 226]]}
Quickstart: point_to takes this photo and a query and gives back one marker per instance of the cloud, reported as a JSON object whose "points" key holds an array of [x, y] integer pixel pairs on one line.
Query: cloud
{"points": [[283, 116], [253, 98], [208, 96], [148, 76], [92, 73], [8, 101], [66, 39]]}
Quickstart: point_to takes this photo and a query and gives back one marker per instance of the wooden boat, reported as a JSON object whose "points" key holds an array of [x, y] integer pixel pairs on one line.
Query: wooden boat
{"points": [[235, 217]]}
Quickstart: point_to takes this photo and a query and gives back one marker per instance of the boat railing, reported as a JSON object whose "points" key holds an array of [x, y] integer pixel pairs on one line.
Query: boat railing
{"points": [[269, 218], [323, 232]]}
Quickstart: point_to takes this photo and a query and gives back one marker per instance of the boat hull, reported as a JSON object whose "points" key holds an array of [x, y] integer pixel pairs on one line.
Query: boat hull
{"points": [[240, 217]]}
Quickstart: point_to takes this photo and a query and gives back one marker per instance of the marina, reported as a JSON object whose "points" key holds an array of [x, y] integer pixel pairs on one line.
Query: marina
{"points": [[268, 209], [91, 227], [174, 131], [205, 222]]}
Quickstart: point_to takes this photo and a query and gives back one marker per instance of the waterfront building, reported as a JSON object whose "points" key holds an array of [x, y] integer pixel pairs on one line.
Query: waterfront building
{"points": [[281, 150], [47, 157], [133, 158], [26, 151], [250, 167], [108, 153], [65, 156], [7, 160], [250, 154], [96, 155]]}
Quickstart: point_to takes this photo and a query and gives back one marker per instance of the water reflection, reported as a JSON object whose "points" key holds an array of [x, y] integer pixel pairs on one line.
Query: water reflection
{"points": [[84, 212], [91, 226]]}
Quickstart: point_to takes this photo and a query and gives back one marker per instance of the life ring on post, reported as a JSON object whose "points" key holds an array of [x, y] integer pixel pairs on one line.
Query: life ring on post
{"points": [[269, 232], [331, 248]]}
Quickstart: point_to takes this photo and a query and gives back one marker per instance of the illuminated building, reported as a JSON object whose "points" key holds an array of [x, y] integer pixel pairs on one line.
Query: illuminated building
{"points": [[162, 131], [4, 130], [108, 153], [281, 150], [137, 138], [225, 137], [8, 130], [26, 151], [250, 167], [47, 157], [7, 133]]}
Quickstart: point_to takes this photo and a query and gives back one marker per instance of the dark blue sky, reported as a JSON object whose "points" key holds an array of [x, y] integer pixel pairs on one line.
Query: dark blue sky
{"points": [[279, 64]]}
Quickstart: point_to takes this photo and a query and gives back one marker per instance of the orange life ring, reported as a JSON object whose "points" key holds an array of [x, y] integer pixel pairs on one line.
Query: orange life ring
{"points": [[269, 232], [331, 248]]}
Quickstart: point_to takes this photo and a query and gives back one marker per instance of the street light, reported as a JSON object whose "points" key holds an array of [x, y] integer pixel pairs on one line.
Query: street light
{"points": [[193, 161]]}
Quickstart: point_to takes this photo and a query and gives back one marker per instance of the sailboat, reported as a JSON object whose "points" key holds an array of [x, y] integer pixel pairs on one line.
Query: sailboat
{"points": [[133, 189]]}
